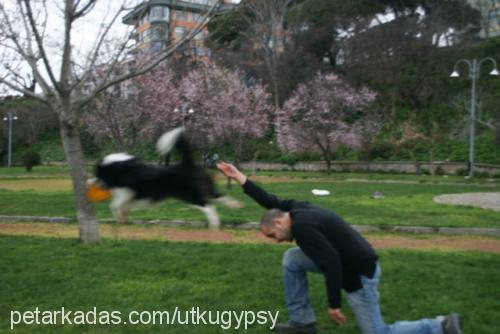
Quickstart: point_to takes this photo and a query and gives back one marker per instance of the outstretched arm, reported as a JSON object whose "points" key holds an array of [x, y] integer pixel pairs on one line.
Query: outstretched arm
{"points": [[259, 195], [232, 172]]}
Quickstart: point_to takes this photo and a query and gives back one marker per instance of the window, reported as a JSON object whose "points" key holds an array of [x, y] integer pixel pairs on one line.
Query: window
{"points": [[203, 2], [181, 15], [196, 17], [199, 51], [160, 13], [157, 33], [199, 36], [144, 19], [157, 46], [180, 32]]}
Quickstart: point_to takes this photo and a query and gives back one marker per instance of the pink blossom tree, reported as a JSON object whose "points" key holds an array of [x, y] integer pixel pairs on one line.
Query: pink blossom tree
{"points": [[324, 113], [115, 118], [225, 109], [160, 96], [142, 108], [231, 111]]}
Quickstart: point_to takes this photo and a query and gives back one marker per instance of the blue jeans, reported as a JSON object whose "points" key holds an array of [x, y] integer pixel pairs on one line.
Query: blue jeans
{"points": [[364, 302]]}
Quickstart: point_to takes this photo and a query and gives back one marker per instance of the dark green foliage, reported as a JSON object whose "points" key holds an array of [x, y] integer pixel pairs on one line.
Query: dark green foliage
{"points": [[439, 171], [289, 159], [225, 29], [31, 159]]}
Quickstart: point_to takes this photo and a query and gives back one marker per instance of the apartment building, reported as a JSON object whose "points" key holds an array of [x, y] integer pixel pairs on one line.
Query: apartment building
{"points": [[490, 17], [159, 23]]}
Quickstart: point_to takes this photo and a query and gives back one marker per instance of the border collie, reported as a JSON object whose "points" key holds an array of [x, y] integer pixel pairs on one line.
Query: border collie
{"points": [[134, 184]]}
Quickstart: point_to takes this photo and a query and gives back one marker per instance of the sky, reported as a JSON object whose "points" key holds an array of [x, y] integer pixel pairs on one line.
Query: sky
{"points": [[84, 33]]}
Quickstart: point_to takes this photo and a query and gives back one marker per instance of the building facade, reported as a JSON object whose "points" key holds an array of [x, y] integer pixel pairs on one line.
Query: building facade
{"points": [[490, 17], [159, 23]]}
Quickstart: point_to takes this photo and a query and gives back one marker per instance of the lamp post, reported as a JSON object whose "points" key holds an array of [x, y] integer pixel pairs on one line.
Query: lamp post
{"points": [[474, 67], [10, 118], [186, 111]]}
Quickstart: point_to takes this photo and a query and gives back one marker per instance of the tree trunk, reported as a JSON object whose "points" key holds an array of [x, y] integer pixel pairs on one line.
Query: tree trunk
{"points": [[85, 211], [327, 156], [328, 161]]}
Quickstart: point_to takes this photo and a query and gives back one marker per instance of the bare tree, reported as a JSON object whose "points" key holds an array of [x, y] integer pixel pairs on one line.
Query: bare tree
{"points": [[266, 21], [68, 79]]}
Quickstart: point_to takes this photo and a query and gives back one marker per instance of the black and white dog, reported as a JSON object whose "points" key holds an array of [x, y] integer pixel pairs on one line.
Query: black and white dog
{"points": [[134, 184]]}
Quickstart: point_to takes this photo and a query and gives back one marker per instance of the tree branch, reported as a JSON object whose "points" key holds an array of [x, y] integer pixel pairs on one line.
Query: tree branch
{"points": [[84, 11], [24, 91], [489, 124], [99, 42], [66, 57], [28, 57], [39, 42], [106, 83]]}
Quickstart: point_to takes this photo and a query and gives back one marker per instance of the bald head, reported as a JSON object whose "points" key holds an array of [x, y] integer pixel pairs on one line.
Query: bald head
{"points": [[276, 224], [269, 216]]}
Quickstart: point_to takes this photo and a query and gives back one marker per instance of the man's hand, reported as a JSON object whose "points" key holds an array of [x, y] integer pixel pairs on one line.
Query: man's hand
{"points": [[232, 172], [337, 315]]}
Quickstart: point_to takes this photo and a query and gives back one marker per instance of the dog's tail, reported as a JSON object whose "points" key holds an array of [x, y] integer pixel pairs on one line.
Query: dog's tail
{"points": [[175, 138]]}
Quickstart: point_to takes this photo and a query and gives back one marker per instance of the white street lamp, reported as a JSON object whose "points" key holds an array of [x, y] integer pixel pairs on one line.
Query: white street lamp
{"points": [[186, 111], [10, 118], [474, 67]]}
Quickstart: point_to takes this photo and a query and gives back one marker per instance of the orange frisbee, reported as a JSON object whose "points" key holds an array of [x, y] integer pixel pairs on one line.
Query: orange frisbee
{"points": [[97, 194]]}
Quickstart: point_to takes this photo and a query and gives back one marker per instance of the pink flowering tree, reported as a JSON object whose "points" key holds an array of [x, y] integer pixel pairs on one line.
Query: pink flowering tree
{"points": [[324, 113], [229, 111], [225, 110], [115, 118], [161, 96], [141, 108]]}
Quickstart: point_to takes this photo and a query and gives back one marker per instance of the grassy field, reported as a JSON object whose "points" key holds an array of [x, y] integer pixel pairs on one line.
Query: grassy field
{"points": [[62, 170], [408, 199], [123, 276], [44, 171]]}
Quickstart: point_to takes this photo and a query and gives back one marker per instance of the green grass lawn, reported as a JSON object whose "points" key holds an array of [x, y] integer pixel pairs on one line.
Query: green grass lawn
{"points": [[378, 177], [38, 171], [52, 171], [123, 276], [405, 203]]}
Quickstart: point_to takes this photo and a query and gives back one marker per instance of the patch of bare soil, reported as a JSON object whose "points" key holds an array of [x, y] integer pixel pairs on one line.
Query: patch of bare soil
{"points": [[482, 200], [131, 232], [461, 243], [37, 184]]}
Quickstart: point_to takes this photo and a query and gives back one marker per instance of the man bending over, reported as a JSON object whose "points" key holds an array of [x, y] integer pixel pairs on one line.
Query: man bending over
{"points": [[328, 245]]}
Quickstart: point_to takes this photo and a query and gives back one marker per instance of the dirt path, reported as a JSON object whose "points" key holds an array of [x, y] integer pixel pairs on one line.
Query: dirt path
{"points": [[131, 232], [489, 200]]}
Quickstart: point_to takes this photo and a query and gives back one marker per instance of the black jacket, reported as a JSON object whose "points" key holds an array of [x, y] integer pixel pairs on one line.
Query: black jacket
{"points": [[341, 253]]}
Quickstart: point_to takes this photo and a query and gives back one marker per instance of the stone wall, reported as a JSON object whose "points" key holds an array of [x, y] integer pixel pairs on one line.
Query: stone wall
{"points": [[410, 167]]}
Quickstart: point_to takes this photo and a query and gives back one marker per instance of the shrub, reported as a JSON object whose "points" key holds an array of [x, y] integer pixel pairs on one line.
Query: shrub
{"points": [[31, 159], [439, 171], [423, 171], [381, 151], [482, 174], [289, 159]]}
